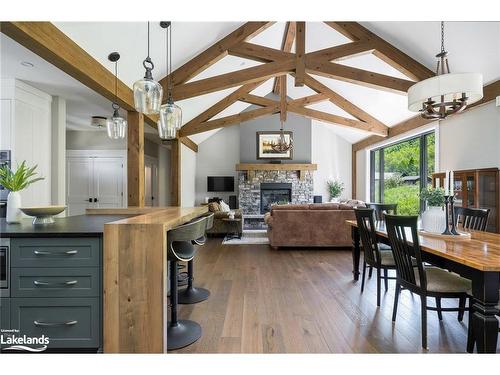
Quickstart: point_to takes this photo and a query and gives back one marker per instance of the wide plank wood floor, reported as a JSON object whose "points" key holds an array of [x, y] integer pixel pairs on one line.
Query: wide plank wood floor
{"points": [[304, 301]]}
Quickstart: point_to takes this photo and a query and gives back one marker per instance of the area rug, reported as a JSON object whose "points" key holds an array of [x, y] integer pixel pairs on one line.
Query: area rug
{"points": [[251, 237]]}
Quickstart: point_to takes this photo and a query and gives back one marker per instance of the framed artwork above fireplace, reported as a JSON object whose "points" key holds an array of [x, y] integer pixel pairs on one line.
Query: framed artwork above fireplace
{"points": [[264, 149]]}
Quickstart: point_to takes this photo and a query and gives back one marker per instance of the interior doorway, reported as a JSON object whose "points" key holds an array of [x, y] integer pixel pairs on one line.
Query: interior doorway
{"points": [[151, 181]]}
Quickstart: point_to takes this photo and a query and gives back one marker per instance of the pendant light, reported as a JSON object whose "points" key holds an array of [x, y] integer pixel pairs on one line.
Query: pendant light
{"points": [[147, 92], [446, 93], [170, 114], [116, 125]]}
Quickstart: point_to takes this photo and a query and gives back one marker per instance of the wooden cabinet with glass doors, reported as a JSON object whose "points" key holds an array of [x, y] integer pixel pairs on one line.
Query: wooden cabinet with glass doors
{"points": [[477, 188]]}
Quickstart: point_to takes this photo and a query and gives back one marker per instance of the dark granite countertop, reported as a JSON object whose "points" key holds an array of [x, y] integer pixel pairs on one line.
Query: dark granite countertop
{"points": [[81, 226]]}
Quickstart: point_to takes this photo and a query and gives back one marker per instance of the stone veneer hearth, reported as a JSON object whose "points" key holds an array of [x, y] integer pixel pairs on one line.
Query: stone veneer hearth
{"points": [[249, 190]]}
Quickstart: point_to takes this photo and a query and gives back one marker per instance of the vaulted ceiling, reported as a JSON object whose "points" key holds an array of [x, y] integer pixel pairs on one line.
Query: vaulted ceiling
{"points": [[473, 46]]}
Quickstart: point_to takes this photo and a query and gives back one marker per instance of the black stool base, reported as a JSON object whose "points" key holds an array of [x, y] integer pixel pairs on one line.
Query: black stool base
{"points": [[193, 295], [184, 333]]}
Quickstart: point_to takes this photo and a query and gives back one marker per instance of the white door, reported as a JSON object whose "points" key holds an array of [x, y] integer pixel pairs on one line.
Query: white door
{"points": [[79, 184], [108, 182], [151, 181]]}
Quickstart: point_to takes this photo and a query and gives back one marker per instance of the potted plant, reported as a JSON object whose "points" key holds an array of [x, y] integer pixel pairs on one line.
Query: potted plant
{"points": [[15, 182], [335, 188], [433, 218]]}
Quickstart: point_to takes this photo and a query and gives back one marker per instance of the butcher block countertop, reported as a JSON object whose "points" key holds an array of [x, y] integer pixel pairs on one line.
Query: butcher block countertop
{"points": [[135, 276]]}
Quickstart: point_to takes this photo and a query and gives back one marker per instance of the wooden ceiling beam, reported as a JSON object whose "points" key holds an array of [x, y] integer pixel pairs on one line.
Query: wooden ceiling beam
{"points": [[231, 120], [240, 77], [259, 53], [215, 52], [384, 50], [300, 54], [257, 100], [286, 46], [186, 141], [308, 100], [334, 119], [342, 51], [345, 104], [358, 76]]}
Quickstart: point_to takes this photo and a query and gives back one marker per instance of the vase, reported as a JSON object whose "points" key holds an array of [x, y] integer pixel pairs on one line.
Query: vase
{"points": [[13, 212], [433, 220], [335, 200]]}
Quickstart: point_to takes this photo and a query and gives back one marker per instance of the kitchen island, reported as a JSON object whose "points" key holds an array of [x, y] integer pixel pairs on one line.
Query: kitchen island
{"points": [[117, 258]]}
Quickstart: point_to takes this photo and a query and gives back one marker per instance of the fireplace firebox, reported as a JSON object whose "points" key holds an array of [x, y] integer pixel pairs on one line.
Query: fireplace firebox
{"points": [[274, 193]]}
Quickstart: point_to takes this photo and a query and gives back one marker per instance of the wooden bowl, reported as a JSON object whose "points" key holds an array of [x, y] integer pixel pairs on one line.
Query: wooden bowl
{"points": [[43, 214]]}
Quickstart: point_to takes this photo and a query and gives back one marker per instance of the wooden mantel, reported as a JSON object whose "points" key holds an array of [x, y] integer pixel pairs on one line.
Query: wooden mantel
{"points": [[251, 168]]}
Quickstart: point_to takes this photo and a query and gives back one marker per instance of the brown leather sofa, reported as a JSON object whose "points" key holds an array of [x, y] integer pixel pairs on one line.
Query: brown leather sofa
{"points": [[311, 225]]}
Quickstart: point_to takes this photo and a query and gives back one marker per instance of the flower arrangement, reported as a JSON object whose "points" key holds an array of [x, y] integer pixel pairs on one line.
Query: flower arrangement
{"points": [[335, 188], [20, 179], [433, 196]]}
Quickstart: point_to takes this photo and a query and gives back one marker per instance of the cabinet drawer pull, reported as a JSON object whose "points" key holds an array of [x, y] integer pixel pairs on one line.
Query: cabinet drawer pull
{"points": [[45, 283], [55, 324], [42, 252]]}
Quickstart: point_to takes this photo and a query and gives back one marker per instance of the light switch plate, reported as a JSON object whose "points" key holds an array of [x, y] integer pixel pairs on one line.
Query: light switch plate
{"points": [[498, 101]]}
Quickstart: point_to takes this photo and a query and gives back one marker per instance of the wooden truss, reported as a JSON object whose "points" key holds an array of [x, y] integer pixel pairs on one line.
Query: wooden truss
{"points": [[279, 62]]}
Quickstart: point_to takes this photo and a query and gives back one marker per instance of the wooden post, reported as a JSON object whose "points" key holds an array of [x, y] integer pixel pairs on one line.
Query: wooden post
{"points": [[175, 163], [135, 159], [300, 53]]}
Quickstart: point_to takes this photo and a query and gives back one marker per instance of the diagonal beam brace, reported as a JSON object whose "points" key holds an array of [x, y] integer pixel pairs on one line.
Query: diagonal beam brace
{"points": [[286, 46]]}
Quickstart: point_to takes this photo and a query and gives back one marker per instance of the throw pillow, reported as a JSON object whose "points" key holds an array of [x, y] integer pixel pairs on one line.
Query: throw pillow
{"points": [[224, 207], [213, 207]]}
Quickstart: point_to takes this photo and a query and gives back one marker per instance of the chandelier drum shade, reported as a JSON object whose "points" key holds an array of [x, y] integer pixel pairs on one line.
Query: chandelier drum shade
{"points": [[170, 120], [116, 125], [446, 93], [147, 92]]}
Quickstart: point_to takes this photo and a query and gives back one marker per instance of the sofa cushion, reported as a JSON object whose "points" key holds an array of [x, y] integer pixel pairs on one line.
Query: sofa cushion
{"points": [[213, 207], [324, 206], [290, 207]]}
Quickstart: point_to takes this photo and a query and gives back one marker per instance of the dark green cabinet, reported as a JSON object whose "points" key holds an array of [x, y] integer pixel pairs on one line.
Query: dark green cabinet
{"points": [[4, 313]]}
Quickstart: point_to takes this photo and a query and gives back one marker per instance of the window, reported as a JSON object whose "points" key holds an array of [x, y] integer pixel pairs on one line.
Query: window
{"points": [[398, 172]]}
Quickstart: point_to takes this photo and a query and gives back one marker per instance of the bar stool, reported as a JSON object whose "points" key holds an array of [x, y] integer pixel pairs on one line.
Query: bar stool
{"points": [[181, 333], [193, 294]]}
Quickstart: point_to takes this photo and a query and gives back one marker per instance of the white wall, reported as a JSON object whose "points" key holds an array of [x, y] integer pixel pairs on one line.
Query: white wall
{"points": [[471, 139], [93, 140], [217, 156], [164, 176], [58, 150], [188, 176], [332, 153]]}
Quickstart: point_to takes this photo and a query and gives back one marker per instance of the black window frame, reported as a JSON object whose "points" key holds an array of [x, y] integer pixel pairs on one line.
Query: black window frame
{"points": [[423, 166]]}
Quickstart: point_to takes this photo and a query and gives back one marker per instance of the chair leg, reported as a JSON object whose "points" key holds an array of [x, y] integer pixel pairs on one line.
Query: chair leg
{"points": [[386, 280], [438, 307], [470, 332], [461, 306], [423, 305], [174, 298], [396, 300], [379, 277], [363, 277], [370, 269]]}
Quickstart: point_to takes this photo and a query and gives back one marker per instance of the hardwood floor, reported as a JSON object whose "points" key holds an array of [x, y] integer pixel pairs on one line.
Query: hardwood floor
{"points": [[304, 301]]}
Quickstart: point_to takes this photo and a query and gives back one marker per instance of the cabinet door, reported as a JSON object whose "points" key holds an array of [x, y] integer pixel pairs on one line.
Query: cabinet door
{"points": [[79, 184], [4, 313], [108, 182]]}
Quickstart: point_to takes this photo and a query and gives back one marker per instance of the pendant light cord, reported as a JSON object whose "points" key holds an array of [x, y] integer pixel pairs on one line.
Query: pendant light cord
{"points": [[116, 82], [442, 37], [169, 64], [148, 40]]}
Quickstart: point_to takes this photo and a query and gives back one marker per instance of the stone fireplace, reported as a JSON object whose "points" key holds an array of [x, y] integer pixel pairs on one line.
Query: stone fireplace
{"points": [[274, 193]]}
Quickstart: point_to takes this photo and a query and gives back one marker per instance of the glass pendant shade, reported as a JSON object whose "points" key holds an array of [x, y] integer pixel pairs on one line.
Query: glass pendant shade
{"points": [[449, 86], [116, 126], [147, 96], [170, 120]]}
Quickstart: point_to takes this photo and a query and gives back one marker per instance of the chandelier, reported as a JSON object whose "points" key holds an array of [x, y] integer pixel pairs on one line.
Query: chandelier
{"points": [[446, 93], [116, 125], [170, 114], [282, 145], [147, 92]]}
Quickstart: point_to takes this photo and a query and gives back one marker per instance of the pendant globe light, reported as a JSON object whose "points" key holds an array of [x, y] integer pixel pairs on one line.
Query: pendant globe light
{"points": [[116, 125], [147, 92], [170, 113], [446, 93]]}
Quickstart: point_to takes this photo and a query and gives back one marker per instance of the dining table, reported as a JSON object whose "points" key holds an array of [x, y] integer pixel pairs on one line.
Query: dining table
{"points": [[476, 258]]}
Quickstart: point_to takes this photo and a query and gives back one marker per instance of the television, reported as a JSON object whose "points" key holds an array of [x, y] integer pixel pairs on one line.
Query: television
{"points": [[220, 183]]}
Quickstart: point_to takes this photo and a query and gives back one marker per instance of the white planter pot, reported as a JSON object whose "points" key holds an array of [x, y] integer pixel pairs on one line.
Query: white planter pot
{"points": [[335, 200], [13, 212], [433, 220]]}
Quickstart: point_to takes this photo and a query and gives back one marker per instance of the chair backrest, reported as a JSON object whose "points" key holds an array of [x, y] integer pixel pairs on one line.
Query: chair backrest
{"points": [[403, 236], [383, 208], [472, 218], [185, 233], [210, 220], [366, 227]]}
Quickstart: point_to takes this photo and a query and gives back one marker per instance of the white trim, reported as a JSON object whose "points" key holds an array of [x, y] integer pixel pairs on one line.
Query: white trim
{"points": [[98, 153]]}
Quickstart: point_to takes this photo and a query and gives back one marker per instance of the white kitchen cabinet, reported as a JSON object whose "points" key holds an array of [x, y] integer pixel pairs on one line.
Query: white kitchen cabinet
{"points": [[94, 181], [25, 129]]}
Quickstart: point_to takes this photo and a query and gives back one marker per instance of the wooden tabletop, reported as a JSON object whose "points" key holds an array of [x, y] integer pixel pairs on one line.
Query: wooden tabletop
{"points": [[481, 251]]}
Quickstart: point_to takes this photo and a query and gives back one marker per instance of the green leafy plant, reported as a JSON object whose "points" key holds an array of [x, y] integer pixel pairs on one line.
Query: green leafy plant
{"points": [[335, 188], [393, 181], [20, 179], [433, 196]]}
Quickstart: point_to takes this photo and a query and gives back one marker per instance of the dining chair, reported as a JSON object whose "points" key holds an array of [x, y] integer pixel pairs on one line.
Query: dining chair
{"points": [[472, 218], [380, 260], [383, 208], [426, 281]]}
